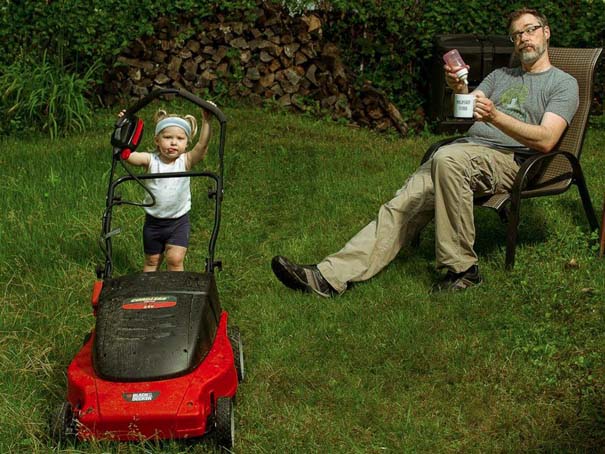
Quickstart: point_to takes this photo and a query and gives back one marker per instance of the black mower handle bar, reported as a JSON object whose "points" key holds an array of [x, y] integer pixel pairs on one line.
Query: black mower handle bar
{"points": [[124, 144], [182, 93], [220, 116]]}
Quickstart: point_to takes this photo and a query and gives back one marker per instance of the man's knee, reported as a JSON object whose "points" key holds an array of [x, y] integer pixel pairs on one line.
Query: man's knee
{"points": [[445, 155], [448, 161]]}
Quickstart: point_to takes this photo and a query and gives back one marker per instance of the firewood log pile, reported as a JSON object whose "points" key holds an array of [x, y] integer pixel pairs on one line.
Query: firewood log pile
{"points": [[279, 58]]}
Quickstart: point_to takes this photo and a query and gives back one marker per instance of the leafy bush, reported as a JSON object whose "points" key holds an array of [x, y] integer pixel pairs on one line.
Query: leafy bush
{"points": [[87, 31], [44, 95], [390, 42]]}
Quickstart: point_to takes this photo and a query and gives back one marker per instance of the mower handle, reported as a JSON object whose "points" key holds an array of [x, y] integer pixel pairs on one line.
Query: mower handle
{"points": [[216, 193], [222, 119], [182, 93]]}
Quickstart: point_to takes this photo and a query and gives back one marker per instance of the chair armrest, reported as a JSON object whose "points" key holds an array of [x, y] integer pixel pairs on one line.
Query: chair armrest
{"points": [[435, 146], [533, 165]]}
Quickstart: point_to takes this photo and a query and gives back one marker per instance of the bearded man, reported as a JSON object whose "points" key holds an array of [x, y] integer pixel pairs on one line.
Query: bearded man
{"points": [[518, 111]]}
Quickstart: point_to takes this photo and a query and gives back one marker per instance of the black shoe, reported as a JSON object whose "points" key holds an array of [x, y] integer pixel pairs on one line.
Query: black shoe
{"points": [[453, 282], [306, 278]]}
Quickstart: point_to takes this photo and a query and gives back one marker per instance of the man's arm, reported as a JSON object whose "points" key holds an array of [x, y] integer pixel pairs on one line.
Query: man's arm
{"points": [[542, 137]]}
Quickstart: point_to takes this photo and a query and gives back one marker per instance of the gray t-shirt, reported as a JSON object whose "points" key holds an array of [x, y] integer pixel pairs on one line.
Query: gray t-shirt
{"points": [[526, 97]]}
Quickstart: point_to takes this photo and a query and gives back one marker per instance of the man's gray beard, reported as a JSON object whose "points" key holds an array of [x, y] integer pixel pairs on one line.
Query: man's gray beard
{"points": [[531, 57]]}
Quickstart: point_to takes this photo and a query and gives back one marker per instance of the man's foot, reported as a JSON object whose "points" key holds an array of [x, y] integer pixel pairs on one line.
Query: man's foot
{"points": [[306, 278], [459, 281]]}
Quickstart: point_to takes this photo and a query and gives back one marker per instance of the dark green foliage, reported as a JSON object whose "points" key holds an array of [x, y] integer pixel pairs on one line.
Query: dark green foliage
{"points": [[92, 30], [63, 46], [389, 42]]}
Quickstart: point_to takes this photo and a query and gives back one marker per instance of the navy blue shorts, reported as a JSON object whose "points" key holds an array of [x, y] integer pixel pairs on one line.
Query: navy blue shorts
{"points": [[157, 233]]}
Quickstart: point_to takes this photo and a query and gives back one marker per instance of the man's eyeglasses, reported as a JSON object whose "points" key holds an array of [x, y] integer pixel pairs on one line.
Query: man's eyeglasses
{"points": [[516, 36]]}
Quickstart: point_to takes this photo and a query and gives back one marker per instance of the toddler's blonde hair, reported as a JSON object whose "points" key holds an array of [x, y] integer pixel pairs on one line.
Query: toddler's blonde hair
{"points": [[161, 114]]}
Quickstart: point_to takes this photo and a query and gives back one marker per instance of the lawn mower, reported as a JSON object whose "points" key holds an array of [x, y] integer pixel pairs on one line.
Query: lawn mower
{"points": [[161, 361]]}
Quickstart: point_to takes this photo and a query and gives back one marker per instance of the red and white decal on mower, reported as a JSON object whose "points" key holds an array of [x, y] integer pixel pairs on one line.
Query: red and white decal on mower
{"points": [[141, 397], [150, 302]]}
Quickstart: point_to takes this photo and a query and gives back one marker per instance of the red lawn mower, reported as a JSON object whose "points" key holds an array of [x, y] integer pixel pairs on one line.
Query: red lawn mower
{"points": [[161, 362]]}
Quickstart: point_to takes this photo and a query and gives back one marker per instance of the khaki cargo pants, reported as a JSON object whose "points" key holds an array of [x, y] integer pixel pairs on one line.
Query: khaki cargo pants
{"points": [[442, 188]]}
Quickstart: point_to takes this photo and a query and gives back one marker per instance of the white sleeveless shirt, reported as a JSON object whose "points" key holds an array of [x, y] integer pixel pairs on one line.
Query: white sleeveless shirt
{"points": [[172, 195]]}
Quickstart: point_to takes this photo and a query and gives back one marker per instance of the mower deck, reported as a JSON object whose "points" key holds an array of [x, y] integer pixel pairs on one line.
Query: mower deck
{"points": [[157, 361]]}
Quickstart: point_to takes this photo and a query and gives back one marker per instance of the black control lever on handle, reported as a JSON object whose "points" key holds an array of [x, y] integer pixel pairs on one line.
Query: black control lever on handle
{"points": [[126, 137]]}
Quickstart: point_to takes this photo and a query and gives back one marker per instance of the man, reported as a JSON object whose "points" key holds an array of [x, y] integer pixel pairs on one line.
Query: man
{"points": [[517, 111]]}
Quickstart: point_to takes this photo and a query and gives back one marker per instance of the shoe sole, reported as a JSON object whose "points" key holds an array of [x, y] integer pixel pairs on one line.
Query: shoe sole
{"points": [[279, 265], [458, 285], [280, 269]]}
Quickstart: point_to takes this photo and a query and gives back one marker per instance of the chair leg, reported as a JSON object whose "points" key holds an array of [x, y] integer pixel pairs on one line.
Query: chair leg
{"points": [[511, 234], [586, 202], [415, 241]]}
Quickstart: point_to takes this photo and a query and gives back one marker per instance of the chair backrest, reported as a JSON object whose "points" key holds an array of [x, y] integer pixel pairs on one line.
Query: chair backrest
{"points": [[580, 63]]}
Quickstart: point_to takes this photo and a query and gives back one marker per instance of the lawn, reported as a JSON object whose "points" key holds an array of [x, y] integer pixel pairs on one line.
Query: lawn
{"points": [[514, 365]]}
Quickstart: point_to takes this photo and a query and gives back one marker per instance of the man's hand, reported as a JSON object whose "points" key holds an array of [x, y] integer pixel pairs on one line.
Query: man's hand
{"points": [[485, 110], [453, 81]]}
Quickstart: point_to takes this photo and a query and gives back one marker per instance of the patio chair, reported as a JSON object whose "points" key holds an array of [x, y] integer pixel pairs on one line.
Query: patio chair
{"points": [[552, 173]]}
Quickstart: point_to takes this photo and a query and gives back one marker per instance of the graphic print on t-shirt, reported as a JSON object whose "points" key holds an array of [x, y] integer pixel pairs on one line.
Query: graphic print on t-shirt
{"points": [[512, 102]]}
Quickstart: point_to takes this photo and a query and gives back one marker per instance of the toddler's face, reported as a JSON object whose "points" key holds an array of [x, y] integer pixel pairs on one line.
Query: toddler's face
{"points": [[171, 142]]}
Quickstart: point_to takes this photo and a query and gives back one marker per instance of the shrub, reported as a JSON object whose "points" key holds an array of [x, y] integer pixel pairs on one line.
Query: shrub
{"points": [[44, 95], [87, 31], [389, 42]]}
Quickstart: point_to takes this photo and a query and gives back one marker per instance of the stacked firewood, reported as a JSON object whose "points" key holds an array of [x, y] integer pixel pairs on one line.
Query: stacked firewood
{"points": [[278, 58]]}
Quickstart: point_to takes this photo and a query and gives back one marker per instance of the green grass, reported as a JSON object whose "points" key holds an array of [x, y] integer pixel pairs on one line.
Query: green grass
{"points": [[515, 365]]}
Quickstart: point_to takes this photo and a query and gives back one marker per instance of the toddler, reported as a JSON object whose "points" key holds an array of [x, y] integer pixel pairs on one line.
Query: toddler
{"points": [[166, 229]]}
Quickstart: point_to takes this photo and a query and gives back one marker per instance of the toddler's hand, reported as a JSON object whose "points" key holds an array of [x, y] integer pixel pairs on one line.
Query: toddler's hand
{"points": [[206, 114]]}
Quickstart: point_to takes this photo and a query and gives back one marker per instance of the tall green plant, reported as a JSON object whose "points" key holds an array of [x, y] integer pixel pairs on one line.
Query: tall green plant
{"points": [[46, 96]]}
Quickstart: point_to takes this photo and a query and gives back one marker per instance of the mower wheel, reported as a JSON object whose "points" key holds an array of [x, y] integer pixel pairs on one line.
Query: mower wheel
{"points": [[62, 427], [238, 352], [224, 423]]}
